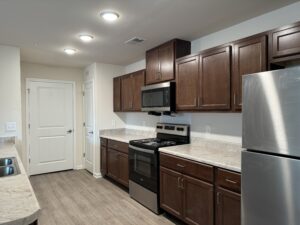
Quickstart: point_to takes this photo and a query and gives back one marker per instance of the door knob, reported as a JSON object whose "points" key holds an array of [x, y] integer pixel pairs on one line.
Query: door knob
{"points": [[91, 132], [69, 131]]}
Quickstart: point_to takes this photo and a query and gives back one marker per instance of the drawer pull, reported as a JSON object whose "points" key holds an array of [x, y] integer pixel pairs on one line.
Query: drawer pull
{"points": [[181, 166], [178, 182], [218, 198], [116, 146], [231, 181]]}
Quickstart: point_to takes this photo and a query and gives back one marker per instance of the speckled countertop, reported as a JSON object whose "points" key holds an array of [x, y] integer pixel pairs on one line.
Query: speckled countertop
{"points": [[125, 135], [18, 204], [214, 152], [217, 153]]}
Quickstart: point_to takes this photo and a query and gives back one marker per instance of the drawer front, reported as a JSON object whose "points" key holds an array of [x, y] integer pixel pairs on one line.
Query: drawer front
{"points": [[188, 167], [229, 180], [119, 146], [103, 141]]}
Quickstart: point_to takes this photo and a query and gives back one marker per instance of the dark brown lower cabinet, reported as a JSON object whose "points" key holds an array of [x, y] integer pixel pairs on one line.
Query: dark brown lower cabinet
{"points": [[170, 191], [198, 201], [186, 198], [123, 169], [117, 162], [103, 159], [112, 163], [228, 207]]}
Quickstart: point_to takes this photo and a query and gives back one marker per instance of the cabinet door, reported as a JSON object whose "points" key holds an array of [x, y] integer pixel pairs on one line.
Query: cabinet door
{"points": [[152, 66], [117, 94], [249, 56], [139, 82], [171, 192], [286, 41], [112, 163], [215, 75], [123, 169], [127, 93], [228, 207], [187, 76], [103, 160], [166, 62], [198, 203]]}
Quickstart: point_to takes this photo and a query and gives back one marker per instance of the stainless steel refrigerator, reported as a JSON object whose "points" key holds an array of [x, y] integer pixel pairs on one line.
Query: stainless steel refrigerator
{"points": [[271, 135]]}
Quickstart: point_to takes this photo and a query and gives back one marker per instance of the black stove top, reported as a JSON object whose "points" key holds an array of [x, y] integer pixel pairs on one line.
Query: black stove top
{"points": [[153, 143]]}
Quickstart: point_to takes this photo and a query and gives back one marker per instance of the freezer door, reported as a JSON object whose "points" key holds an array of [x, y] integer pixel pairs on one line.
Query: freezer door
{"points": [[271, 109], [270, 190]]}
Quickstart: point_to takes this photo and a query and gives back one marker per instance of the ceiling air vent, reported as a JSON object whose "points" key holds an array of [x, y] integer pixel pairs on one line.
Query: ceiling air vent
{"points": [[134, 41]]}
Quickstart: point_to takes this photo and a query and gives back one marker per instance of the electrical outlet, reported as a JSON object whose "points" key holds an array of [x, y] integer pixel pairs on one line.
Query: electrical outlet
{"points": [[11, 126], [207, 129]]}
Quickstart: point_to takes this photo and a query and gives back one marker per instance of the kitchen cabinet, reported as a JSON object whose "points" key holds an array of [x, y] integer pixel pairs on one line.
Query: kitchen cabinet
{"points": [[228, 198], [131, 85], [117, 94], [285, 43], [103, 156], [188, 198], [187, 81], [215, 79], [117, 162], [249, 56], [160, 61]]}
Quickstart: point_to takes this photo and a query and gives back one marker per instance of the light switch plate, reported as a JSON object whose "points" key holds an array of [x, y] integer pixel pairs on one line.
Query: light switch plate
{"points": [[11, 126]]}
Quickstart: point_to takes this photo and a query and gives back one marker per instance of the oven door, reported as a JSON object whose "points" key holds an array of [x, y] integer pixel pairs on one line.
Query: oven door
{"points": [[143, 167]]}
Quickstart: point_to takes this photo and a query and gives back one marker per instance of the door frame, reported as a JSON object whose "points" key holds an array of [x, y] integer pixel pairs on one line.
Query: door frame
{"points": [[94, 125], [30, 80]]}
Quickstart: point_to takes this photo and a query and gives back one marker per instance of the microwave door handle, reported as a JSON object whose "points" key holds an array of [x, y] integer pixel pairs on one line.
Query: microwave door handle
{"points": [[141, 150]]}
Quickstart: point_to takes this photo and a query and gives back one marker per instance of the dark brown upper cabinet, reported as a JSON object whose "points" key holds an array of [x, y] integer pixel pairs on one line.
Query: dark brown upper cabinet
{"points": [[131, 85], [187, 79], [285, 43], [215, 79], [249, 56], [160, 61], [117, 94]]}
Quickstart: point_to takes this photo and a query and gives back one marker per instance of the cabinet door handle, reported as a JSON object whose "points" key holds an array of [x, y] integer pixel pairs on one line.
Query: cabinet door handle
{"points": [[234, 98], [230, 181], [179, 165], [182, 183], [178, 182], [218, 198]]}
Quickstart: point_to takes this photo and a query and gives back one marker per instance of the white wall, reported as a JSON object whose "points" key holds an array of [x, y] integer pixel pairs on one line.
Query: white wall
{"points": [[103, 75], [227, 126], [29, 70], [10, 91]]}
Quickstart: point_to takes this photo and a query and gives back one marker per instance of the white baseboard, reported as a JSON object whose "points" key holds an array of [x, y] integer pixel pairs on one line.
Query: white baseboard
{"points": [[97, 175], [79, 167]]}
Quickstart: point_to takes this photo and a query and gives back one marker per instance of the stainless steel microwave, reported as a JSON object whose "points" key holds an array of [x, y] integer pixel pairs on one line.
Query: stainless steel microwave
{"points": [[159, 97]]}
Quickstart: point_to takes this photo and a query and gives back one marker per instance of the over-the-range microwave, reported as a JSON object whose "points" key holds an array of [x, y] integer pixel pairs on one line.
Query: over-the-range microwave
{"points": [[159, 97]]}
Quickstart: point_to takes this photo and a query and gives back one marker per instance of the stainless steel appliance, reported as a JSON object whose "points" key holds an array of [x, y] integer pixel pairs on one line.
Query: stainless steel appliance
{"points": [[271, 135], [159, 97], [144, 162]]}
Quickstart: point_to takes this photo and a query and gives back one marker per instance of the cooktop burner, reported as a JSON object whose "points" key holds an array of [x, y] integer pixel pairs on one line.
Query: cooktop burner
{"points": [[154, 142]]}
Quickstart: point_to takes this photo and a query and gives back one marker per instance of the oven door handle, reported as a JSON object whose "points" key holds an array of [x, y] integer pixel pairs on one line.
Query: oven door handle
{"points": [[141, 149]]}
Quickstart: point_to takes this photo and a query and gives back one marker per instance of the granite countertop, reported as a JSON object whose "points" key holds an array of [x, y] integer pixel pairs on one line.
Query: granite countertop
{"points": [[125, 135], [216, 153], [18, 204]]}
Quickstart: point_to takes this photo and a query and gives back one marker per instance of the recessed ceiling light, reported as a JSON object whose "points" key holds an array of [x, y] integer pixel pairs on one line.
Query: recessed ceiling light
{"points": [[86, 37], [70, 51], [109, 16]]}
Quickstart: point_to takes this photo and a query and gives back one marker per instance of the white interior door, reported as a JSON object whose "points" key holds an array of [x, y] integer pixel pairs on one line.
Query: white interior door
{"points": [[89, 125], [51, 121]]}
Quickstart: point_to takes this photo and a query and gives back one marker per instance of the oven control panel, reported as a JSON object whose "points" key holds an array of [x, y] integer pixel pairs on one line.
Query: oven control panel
{"points": [[176, 129]]}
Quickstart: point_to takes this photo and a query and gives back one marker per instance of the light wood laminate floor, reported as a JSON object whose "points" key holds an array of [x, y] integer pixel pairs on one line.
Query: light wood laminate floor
{"points": [[77, 198]]}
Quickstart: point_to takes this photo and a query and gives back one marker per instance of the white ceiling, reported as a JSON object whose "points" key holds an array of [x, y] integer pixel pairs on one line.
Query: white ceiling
{"points": [[43, 28]]}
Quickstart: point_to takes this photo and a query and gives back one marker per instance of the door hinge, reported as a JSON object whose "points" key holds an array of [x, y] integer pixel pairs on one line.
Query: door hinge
{"points": [[28, 90], [29, 160], [84, 124], [29, 126], [83, 93], [83, 155]]}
